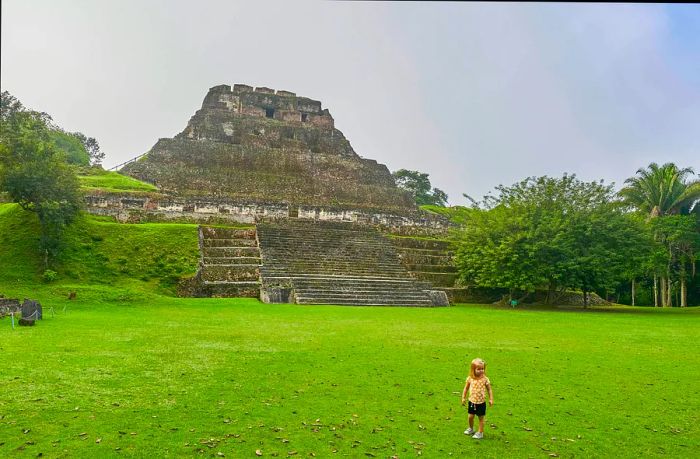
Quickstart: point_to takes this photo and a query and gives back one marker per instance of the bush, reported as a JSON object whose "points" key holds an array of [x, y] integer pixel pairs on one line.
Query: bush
{"points": [[49, 275]]}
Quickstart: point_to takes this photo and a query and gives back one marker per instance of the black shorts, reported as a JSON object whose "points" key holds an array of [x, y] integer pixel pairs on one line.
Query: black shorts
{"points": [[477, 408]]}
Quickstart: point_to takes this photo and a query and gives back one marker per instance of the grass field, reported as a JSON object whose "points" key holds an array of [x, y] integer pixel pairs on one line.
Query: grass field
{"points": [[126, 370], [151, 376]]}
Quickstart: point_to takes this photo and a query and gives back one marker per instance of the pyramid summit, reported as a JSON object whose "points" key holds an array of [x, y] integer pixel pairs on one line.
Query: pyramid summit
{"points": [[266, 146]]}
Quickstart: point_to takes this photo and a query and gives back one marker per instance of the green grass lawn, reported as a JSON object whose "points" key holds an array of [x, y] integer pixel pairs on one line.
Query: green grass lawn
{"points": [[123, 373]]}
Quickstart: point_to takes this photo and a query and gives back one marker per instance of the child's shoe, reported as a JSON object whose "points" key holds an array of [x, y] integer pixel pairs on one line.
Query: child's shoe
{"points": [[478, 435], [469, 431]]}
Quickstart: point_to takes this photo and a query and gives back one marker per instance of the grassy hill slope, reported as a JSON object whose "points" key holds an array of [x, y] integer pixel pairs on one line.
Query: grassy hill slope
{"points": [[109, 181], [96, 251]]}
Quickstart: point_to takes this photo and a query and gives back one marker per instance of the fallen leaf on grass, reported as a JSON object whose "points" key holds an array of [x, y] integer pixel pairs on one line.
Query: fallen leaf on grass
{"points": [[258, 452], [98, 440]]}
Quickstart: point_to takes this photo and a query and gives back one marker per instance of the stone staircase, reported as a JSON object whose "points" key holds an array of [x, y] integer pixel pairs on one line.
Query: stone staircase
{"points": [[338, 263], [430, 260], [230, 263]]}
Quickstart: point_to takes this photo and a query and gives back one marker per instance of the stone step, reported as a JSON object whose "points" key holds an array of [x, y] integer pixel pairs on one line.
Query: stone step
{"points": [[386, 294], [432, 268], [415, 243], [229, 261], [363, 302], [437, 279], [230, 252], [233, 284], [212, 232], [280, 239], [230, 242], [422, 259], [229, 273]]}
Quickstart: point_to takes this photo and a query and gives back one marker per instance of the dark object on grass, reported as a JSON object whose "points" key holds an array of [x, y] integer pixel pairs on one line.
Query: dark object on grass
{"points": [[31, 309], [26, 322], [72, 295]]}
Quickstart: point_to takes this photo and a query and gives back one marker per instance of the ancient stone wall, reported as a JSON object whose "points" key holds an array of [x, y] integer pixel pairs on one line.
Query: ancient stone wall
{"points": [[129, 208]]}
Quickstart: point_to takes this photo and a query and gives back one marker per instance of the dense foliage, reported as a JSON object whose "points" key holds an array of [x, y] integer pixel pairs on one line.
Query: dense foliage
{"points": [[418, 184], [36, 173], [666, 196], [550, 233]]}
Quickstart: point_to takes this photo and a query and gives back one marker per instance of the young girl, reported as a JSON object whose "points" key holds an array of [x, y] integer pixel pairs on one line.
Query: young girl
{"points": [[477, 384]]}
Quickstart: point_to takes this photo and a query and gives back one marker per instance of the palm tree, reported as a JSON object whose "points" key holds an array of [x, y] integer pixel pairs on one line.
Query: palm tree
{"points": [[660, 191]]}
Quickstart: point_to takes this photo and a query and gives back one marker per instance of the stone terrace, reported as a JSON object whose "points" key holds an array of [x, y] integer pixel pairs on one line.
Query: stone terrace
{"points": [[338, 263]]}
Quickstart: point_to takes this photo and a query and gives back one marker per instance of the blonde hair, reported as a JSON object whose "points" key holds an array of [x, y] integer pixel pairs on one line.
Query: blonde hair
{"points": [[476, 362]]}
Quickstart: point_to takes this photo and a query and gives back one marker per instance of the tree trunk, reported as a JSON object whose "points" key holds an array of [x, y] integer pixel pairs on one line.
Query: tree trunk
{"points": [[633, 292], [656, 291], [585, 298], [684, 290], [663, 290]]}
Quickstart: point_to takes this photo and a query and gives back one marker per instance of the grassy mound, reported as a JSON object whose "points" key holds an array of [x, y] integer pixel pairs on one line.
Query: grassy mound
{"points": [[96, 251], [109, 181]]}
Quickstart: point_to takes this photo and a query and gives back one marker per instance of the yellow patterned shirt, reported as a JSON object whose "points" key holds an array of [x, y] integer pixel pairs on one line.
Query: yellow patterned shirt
{"points": [[477, 389]]}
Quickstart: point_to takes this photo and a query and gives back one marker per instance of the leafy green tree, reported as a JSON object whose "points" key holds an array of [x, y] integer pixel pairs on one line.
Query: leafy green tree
{"points": [[660, 191], [35, 173], [548, 233], [91, 146], [680, 238], [418, 184], [72, 147]]}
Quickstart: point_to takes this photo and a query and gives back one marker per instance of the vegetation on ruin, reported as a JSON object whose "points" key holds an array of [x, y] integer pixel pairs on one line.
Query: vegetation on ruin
{"points": [[97, 179], [418, 184]]}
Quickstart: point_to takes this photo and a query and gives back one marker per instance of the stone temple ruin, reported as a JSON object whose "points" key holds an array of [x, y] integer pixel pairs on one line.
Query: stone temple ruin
{"points": [[324, 225]]}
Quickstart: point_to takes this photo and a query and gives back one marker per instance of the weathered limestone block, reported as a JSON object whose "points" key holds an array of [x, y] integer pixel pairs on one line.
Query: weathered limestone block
{"points": [[438, 297], [9, 306], [31, 309]]}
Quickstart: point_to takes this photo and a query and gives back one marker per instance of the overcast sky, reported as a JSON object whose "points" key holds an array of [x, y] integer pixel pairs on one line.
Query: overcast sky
{"points": [[474, 94]]}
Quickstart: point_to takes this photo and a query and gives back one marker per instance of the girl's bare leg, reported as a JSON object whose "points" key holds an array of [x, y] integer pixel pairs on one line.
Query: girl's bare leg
{"points": [[481, 423], [471, 421]]}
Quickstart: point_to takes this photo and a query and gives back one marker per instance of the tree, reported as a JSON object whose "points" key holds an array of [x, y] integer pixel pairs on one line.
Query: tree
{"points": [[91, 147], [680, 237], [35, 173], [80, 149], [418, 184], [658, 192], [72, 146], [548, 233]]}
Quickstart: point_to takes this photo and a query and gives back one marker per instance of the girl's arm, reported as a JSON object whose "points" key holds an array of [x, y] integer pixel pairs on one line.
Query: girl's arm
{"points": [[490, 389], [464, 392]]}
